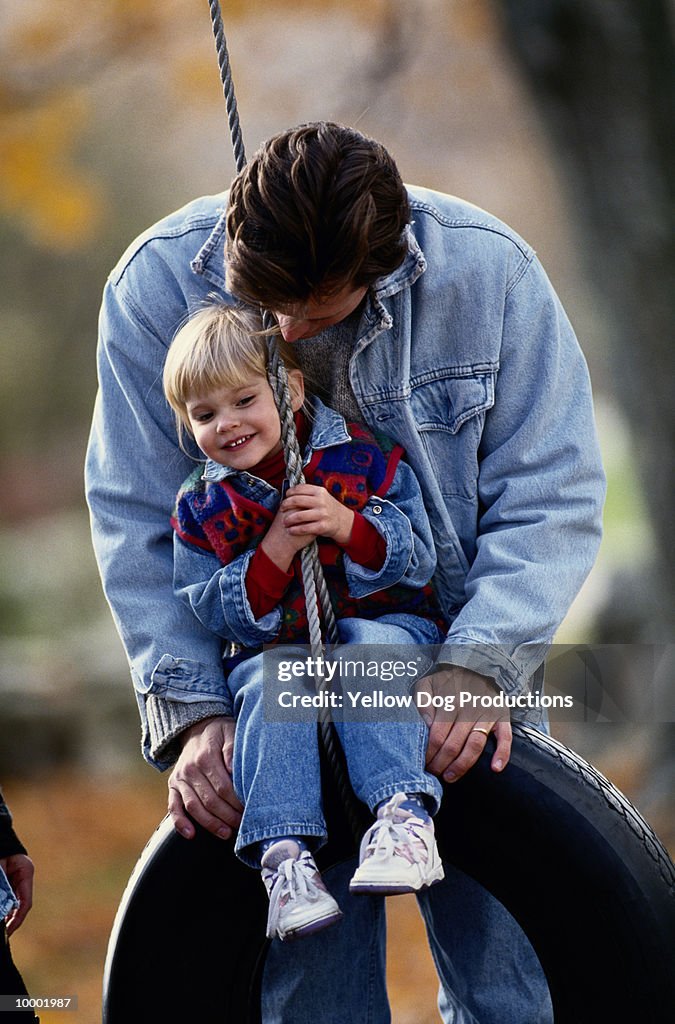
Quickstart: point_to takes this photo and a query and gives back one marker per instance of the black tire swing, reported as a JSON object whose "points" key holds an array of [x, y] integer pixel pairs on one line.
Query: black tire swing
{"points": [[567, 855], [560, 847]]}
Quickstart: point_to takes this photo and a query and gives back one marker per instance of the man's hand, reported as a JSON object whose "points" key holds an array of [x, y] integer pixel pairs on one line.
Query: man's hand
{"points": [[201, 782], [457, 737], [19, 870]]}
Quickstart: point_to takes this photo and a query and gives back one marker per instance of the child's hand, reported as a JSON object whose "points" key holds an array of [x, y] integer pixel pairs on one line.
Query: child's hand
{"points": [[310, 511], [305, 513], [281, 545]]}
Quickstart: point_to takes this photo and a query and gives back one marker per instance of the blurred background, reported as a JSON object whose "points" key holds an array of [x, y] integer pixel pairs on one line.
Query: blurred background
{"points": [[555, 115]]}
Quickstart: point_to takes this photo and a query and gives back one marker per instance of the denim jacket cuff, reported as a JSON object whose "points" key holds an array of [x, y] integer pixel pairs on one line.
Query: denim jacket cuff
{"points": [[8, 900], [496, 663], [485, 659], [240, 621], [184, 680], [395, 527], [167, 719]]}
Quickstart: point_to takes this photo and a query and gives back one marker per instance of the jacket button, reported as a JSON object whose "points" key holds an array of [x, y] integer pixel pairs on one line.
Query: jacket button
{"points": [[376, 510]]}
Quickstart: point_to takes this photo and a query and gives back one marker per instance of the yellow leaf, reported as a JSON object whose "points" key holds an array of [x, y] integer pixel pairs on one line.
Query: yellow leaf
{"points": [[40, 185]]}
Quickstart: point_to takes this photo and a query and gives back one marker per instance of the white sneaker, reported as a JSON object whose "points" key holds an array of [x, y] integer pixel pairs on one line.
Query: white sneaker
{"points": [[398, 853], [300, 904]]}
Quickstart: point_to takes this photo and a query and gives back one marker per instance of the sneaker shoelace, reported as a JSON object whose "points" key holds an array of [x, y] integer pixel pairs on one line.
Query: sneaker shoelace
{"points": [[294, 878], [392, 834]]}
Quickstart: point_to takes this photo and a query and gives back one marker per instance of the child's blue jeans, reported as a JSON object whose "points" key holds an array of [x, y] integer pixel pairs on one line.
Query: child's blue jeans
{"points": [[489, 973], [276, 769]]}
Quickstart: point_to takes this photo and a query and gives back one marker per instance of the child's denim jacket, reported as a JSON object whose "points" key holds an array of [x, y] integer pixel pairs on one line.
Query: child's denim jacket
{"points": [[212, 552]]}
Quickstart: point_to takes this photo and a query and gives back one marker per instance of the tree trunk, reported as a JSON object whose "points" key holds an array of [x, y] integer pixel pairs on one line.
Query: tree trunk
{"points": [[602, 75]]}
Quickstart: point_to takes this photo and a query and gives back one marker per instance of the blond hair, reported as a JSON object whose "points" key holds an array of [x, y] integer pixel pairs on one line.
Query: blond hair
{"points": [[219, 346]]}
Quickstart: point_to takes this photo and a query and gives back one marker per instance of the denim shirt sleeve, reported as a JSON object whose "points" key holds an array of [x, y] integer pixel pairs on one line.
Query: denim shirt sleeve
{"points": [[133, 471], [9, 844], [540, 488], [400, 518], [8, 900], [216, 595]]}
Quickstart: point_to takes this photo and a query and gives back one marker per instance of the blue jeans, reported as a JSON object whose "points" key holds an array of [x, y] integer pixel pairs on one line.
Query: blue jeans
{"points": [[276, 770], [488, 971]]}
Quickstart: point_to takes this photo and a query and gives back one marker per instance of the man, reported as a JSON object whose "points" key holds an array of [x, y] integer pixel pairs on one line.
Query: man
{"points": [[433, 323]]}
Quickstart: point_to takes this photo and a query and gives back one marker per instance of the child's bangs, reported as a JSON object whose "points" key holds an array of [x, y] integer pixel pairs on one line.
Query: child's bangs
{"points": [[219, 347], [226, 361]]}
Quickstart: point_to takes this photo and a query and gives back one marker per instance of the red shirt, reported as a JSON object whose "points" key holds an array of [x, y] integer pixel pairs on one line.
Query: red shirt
{"points": [[266, 583]]}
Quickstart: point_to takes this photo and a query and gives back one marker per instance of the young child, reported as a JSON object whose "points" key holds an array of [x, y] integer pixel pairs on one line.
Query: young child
{"points": [[236, 563]]}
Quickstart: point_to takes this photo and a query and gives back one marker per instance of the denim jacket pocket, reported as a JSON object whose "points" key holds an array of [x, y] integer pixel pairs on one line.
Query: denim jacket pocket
{"points": [[450, 412]]}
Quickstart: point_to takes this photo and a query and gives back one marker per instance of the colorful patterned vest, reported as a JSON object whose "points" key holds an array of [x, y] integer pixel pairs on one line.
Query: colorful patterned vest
{"points": [[217, 516]]}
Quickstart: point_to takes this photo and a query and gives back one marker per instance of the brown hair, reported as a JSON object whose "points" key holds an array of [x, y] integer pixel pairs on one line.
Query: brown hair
{"points": [[317, 208]]}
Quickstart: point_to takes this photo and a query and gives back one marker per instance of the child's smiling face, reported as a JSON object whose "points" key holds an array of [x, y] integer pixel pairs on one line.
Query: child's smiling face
{"points": [[240, 426]]}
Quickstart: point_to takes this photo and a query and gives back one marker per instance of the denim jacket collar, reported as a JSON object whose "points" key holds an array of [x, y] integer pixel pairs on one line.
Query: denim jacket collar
{"points": [[328, 428], [413, 266], [210, 262]]}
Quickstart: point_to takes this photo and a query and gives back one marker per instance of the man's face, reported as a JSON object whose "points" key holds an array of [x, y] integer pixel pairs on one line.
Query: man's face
{"points": [[314, 316]]}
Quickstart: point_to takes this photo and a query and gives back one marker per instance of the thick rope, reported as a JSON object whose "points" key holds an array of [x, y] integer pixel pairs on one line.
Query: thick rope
{"points": [[313, 580], [228, 85], [314, 583], [309, 556], [312, 573]]}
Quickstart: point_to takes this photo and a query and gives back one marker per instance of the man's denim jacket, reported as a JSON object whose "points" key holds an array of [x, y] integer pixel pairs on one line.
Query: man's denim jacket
{"points": [[216, 593], [464, 356]]}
